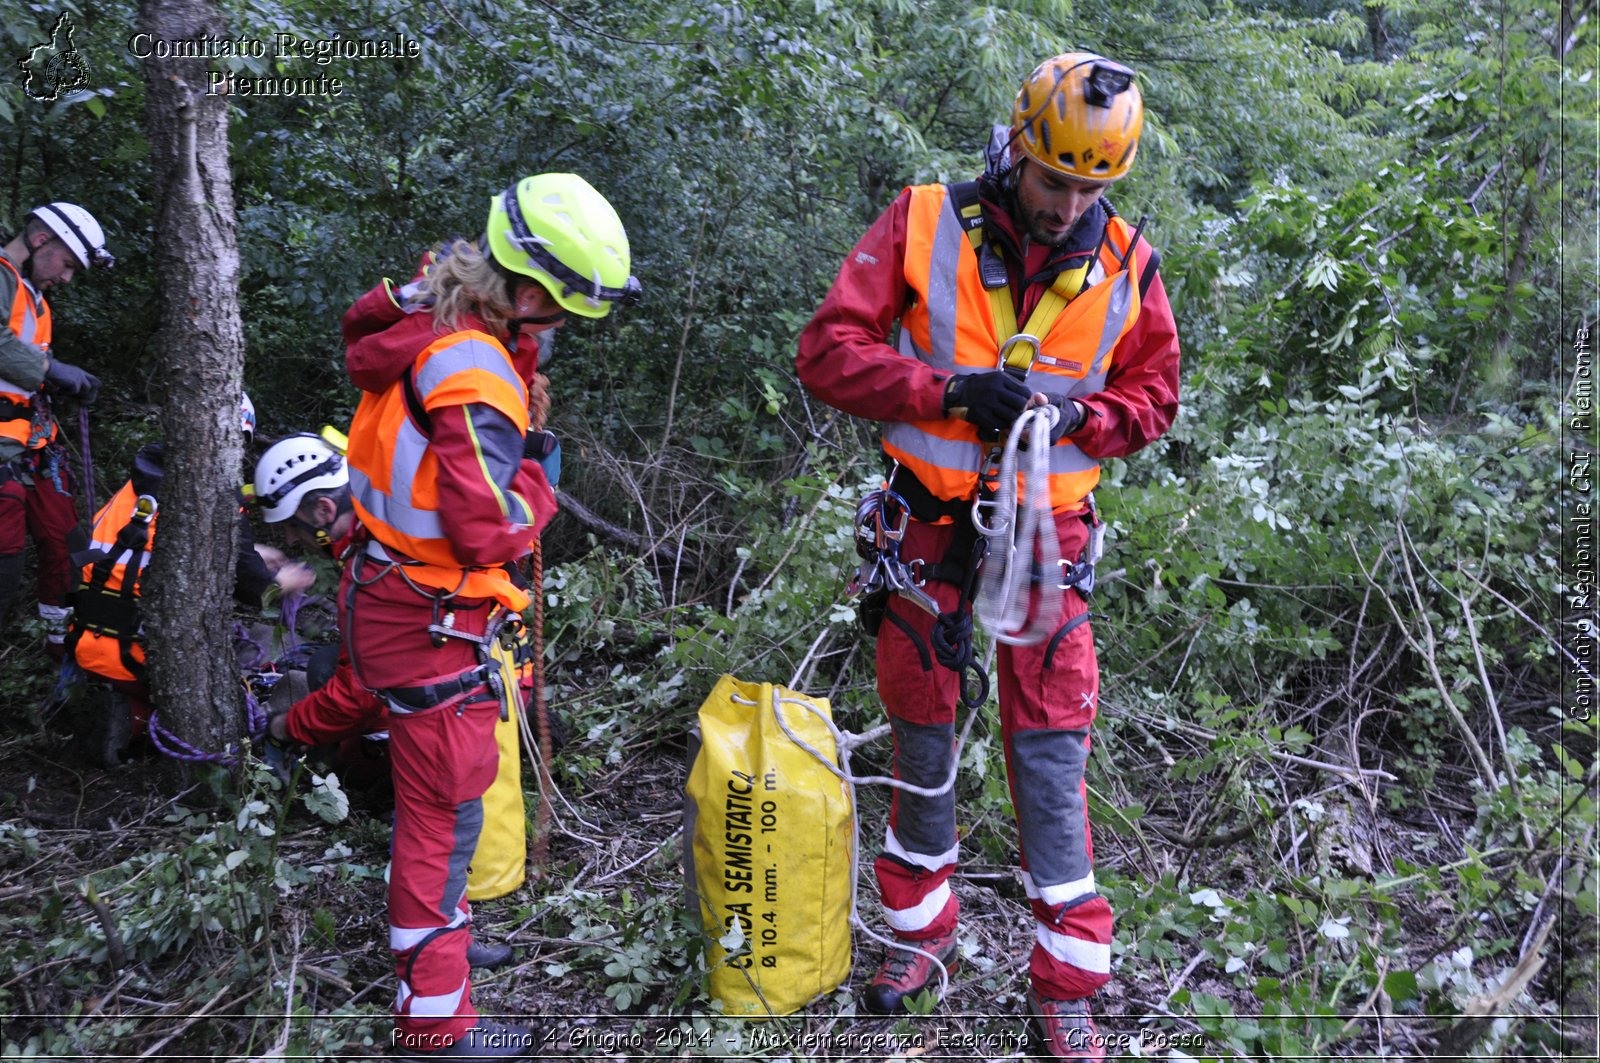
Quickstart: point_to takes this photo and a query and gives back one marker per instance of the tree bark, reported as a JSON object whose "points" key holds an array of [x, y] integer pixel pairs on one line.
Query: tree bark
{"points": [[1377, 33], [188, 597]]}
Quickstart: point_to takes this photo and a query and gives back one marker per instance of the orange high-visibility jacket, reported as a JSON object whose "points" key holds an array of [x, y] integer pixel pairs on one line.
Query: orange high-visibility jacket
{"points": [[394, 473], [109, 636], [29, 322], [950, 327]]}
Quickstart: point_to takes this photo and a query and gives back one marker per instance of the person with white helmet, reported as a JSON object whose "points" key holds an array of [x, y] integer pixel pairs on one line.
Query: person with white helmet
{"points": [[302, 484], [36, 495], [447, 492], [1021, 289]]}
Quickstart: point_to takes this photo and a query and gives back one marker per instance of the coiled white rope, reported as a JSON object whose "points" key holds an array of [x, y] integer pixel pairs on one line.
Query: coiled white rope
{"points": [[1021, 534]]}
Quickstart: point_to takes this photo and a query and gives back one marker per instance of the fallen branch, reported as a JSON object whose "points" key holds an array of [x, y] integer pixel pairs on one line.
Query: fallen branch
{"points": [[189, 1020], [115, 951], [1494, 714], [616, 533], [1481, 1010]]}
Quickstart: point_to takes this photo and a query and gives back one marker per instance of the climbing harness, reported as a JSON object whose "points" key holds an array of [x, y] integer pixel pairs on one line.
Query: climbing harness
{"points": [[504, 629], [114, 613], [880, 527]]}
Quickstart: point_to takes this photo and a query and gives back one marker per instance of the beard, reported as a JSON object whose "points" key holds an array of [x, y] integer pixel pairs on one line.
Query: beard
{"points": [[1041, 230]]}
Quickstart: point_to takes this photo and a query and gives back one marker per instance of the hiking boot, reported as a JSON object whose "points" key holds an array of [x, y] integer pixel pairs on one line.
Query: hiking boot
{"points": [[905, 973], [489, 954], [487, 1040], [1066, 1029]]}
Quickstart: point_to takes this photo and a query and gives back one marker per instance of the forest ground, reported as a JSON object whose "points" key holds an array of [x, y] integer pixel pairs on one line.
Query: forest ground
{"points": [[603, 948]]}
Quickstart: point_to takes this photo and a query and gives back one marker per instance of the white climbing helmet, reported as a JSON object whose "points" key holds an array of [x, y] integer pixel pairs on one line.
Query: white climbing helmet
{"points": [[76, 228], [293, 466]]}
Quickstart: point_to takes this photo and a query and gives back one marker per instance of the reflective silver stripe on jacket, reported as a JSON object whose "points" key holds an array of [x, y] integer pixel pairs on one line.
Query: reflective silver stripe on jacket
{"points": [[964, 454], [30, 313], [459, 357], [395, 509], [949, 244]]}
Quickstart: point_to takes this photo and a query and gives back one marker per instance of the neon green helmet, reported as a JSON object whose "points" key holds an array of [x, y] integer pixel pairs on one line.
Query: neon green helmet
{"points": [[556, 229]]}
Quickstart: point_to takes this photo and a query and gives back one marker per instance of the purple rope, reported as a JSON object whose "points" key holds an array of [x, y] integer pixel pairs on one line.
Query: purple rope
{"points": [[289, 612], [255, 716], [241, 637], [176, 748], [89, 492]]}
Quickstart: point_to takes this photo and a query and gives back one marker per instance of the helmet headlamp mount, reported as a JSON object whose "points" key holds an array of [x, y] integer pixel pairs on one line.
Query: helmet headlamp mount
{"points": [[1106, 80]]}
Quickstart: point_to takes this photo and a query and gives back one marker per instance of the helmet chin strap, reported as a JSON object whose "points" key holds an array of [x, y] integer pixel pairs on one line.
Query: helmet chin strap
{"points": [[517, 323], [25, 267]]}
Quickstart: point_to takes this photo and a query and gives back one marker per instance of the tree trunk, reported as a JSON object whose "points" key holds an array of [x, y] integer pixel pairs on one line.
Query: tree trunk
{"points": [[1498, 373], [187, 604], [1377, 33]]}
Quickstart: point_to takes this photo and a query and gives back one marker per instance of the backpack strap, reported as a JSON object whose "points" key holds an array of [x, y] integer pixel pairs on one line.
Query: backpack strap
{"points": [[116, 613], [419, 413]]}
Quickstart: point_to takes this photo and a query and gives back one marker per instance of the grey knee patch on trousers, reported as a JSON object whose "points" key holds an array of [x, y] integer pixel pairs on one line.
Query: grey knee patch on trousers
{"points": [[1046, 770], [925, 825], [469, 824]]}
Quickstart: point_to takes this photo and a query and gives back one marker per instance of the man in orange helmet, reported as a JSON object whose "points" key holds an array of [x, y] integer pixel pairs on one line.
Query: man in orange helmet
{"points": [[958, 267]]}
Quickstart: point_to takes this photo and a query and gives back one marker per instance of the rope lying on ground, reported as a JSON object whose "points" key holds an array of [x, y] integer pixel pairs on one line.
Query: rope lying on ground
{"points": [[268, 673]]}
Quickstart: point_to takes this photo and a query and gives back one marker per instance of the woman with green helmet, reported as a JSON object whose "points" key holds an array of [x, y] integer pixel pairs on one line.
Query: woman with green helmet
{"points": [[447, 488]]}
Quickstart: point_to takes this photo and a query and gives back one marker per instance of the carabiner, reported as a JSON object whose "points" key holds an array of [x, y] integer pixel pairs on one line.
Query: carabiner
{"points": [[1018, 354]]}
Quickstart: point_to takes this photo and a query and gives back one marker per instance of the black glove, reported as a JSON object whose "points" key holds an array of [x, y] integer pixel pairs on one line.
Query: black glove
{"points": [[544, 448], [1069, 418], [70, 380], [1072, 416], [991, 400]]}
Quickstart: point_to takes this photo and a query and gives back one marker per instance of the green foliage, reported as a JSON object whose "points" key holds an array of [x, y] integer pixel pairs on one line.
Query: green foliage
{"points": [[208, 895]]}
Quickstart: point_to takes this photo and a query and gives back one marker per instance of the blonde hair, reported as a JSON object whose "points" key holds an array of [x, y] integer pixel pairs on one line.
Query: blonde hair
{"points": [[465, 281]]}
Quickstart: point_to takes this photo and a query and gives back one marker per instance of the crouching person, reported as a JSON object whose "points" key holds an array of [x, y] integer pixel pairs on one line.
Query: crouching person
{"points": [[106, 635], [303, 486]]}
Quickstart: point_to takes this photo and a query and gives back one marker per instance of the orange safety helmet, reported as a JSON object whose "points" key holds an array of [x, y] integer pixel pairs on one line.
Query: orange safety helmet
{"points": [[1080, 115]]}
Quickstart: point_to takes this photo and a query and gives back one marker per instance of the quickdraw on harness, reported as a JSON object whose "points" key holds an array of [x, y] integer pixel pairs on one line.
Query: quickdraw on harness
{"points": [[880, 528], [114, 613]]}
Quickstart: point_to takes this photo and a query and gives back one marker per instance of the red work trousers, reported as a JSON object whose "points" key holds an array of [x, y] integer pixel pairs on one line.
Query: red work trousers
{"points": [[36, 502], [338, 714], [1048, 697], [442, 758], [339, 709]]}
